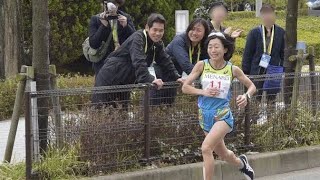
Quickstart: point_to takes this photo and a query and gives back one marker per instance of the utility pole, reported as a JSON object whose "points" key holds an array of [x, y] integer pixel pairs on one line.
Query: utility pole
{"points": [[291, 43], [40, 63], [2, 74], [12, 37]]}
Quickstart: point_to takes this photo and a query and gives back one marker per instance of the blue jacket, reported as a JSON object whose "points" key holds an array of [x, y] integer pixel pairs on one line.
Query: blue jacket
{"points": [[98, 33], [254, 50], [178, 49]]}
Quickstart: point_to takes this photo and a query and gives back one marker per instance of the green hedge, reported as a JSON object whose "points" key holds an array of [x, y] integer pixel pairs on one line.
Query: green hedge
{"points": [[7, 96], [252, 14], [8, 90], [68, 27]]}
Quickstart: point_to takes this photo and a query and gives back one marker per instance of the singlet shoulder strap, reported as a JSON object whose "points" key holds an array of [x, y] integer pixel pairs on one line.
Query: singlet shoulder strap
{"points": [[205, 63], [230, 66]]}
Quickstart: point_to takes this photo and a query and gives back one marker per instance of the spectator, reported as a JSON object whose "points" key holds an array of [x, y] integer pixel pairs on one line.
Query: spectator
{"points": [[188, 48], [114, 23], [218, 12], [264, 54], [265, 43], [133, 61]]}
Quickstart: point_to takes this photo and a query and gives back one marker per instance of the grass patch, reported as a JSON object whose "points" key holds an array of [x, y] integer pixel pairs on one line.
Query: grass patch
{"points": [[57, 164], [12, 171]]}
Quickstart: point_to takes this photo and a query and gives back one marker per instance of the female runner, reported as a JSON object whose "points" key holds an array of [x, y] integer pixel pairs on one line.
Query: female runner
{"points": [[216, 120]]}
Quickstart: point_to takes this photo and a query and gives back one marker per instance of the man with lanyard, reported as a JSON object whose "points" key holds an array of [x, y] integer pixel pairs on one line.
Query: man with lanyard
{"points": [[264, 53], [133, 62]]}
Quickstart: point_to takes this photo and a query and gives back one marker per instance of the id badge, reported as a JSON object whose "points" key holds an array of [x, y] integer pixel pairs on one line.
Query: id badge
{"points": [[152, 71], [265, 60]]}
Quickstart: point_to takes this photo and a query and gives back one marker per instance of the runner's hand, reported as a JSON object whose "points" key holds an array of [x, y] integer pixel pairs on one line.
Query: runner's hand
{"points": [[158, 83], [242, 101], [211, 92]]}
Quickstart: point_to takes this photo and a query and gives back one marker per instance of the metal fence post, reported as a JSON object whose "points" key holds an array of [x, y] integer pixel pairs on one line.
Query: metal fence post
{"points": [[146, 108], [295, 93], [56, 107], [247, 125], [28, 135], [312, 68]]}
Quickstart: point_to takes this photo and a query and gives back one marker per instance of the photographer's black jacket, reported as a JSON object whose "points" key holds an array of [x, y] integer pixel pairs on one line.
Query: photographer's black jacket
{"points": [[129, 64], [98, 33]]}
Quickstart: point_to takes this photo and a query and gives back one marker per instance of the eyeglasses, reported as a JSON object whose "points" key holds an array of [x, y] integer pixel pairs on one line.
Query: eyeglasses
{"points": [[220, 34]]}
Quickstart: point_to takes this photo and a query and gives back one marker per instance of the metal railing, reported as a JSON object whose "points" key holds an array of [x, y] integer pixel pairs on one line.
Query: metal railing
{"points": [[143, 126]]}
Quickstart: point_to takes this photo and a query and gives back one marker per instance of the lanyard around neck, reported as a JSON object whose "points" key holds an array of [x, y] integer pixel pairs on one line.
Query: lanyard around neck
{"points": [[264, 40], [191, 51], [146, 46]]}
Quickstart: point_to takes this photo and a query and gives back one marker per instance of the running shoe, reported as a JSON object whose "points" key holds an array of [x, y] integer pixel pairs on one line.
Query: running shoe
{"points": [[247, 169]]}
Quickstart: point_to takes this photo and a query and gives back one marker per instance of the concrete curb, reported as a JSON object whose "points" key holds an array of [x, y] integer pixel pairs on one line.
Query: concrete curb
{"points": [[264, 164]]}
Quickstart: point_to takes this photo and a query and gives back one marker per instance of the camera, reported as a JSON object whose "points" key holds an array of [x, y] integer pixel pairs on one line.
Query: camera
{"points": [[111, 10]]}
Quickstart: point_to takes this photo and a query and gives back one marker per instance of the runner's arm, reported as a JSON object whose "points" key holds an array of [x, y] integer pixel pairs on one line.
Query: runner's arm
{"points": [[187, 87], [238, 73]]}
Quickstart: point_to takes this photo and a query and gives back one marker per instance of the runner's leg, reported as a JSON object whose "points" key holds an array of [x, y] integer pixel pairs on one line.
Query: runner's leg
{"points": [[225, 154], [216, 134]]}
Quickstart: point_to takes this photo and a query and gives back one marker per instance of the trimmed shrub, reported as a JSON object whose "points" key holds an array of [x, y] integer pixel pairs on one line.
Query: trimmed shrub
{"points": [[8, 90], [252, 14]]}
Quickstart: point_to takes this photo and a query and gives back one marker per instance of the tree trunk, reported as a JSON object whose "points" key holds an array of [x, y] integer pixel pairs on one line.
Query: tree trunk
{"points": [[40, 62], [2, 74], [12, 37], [291, 42]]}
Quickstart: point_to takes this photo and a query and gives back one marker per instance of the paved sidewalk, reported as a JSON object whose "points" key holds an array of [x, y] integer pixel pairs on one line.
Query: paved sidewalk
{"points": [[308, 174]]}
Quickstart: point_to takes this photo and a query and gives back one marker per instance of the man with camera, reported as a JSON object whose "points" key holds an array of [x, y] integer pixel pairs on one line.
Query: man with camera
{"points": [[133, 62], [112, 27]]}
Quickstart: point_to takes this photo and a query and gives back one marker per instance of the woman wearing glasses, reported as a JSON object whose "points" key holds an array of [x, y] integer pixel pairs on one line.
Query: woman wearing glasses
{"points": [[216, 120]]}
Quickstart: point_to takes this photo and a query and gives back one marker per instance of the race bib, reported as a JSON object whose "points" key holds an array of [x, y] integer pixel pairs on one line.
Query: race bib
{"points": [[219, 81], [265, 60]]}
